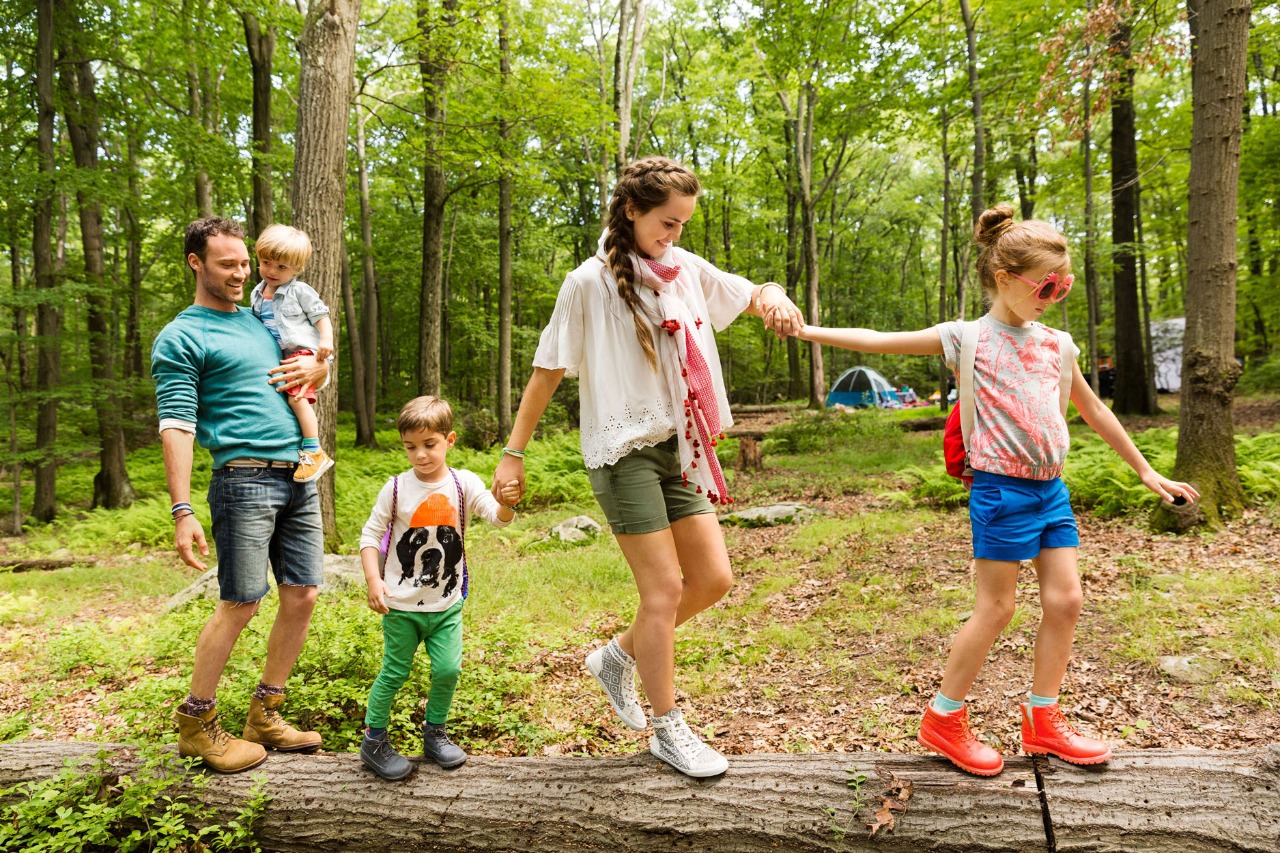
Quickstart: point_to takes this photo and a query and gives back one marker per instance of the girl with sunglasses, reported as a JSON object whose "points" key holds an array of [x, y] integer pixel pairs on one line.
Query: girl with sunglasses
{"points": [[1019, 508]]}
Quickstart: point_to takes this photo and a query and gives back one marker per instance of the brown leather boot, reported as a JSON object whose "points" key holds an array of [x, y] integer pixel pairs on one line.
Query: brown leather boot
{"points": [[264, 725], [202, 736]]}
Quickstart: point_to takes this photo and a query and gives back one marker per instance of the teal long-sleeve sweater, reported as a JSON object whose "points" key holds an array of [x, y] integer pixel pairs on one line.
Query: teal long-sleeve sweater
{"points": [[210, 368]]}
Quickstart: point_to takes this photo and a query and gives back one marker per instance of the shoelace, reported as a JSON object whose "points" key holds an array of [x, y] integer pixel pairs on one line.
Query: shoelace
{"points": [[960, 729], [305, 458], [686, 742], [215, 731]]}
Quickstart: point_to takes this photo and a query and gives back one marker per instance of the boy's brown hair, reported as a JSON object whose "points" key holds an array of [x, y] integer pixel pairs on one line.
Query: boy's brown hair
{"points": [[426, 413], [285, 244]]}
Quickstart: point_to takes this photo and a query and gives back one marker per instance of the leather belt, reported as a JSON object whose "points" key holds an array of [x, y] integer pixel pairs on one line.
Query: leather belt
{"points": [[260, 463]]}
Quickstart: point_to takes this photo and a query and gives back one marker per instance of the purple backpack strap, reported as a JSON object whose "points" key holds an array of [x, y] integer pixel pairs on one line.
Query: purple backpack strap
{"points": [[385, 545], [462, 528]]}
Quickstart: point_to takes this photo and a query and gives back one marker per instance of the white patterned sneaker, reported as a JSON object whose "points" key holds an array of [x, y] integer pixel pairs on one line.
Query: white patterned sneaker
{"points": [[674, 743], [616, 672]]}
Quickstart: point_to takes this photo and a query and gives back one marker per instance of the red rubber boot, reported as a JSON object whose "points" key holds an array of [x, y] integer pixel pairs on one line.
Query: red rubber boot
{"points": [[1046, 732], [949, 736]]}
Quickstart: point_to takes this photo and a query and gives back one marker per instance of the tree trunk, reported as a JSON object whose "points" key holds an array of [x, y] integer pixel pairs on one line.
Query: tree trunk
{"points": [[1130, 395], [365, 371], [943, 248], [111, 486], [327, 52], [1027, 170], [1206, 448], [1146, 301], [809, 231], [504, 239], [795, 382], [262, 45], [1145, 800], [976, 205], [355, 347], [433, 66], [1090, 235], [626, 59], [48, 310]]}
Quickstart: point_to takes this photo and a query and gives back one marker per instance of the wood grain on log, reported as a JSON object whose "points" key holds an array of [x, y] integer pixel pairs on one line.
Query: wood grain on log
{"points": [[1170, 801]]}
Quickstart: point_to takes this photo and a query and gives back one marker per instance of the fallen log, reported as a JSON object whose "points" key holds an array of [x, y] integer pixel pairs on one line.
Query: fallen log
{"points": [[43, 564], [923, 424], [1149, 800]]}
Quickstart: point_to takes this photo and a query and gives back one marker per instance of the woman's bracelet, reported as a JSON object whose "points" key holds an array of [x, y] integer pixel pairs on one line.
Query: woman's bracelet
{"points": [[760, 295], [511, 451]]}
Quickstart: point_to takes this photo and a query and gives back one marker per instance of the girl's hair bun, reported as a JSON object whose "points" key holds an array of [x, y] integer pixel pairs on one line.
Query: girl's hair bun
{"points": [[992, 223]]}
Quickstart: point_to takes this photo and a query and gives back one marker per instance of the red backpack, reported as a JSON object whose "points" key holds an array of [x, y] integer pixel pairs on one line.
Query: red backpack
{"points": [[955, 435]]}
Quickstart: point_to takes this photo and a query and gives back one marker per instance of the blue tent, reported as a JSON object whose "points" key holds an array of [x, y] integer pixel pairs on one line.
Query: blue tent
{"points": [[861, 386]]}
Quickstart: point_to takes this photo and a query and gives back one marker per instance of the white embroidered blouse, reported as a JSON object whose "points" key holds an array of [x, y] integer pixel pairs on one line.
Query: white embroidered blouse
{"points": [[625, 404]]}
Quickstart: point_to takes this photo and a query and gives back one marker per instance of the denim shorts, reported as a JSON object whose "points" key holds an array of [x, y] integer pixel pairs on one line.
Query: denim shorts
{"points": [[261, 515], [1013, 519], [644, 491]]}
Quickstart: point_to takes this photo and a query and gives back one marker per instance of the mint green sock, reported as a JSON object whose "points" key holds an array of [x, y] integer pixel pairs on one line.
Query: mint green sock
{"points": [[943, 705], [1041, 701]]}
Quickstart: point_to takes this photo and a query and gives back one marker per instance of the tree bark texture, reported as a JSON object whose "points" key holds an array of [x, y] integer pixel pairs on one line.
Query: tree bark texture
{"points": [[1150, 800], [112, 488], [1130, 396], [1206, 449], [327, 47], [48, 310], [261, 45]]}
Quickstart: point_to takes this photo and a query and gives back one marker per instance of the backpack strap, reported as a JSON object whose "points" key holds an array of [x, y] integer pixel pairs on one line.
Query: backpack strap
{"points": [[385, 545], [462, 528], [964, 378], [1065, 371]]}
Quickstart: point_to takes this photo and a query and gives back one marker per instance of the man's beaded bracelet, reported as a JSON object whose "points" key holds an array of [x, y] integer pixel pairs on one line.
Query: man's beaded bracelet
{"points": [[511, 451]]}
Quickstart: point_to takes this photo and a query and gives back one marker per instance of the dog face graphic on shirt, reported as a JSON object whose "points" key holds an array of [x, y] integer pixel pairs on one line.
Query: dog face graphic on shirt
{"points": [[430, 551]]}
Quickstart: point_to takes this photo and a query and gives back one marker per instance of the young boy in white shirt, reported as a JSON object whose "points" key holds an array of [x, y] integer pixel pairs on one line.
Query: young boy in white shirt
{"points": [[419, 523]]}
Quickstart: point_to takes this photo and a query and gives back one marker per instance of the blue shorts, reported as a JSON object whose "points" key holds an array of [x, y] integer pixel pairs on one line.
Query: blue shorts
{"points": [[1014, 519], [261, 514]]}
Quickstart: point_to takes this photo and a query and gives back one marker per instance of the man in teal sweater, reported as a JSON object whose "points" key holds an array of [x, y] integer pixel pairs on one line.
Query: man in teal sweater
{"points": [[214, 365]]}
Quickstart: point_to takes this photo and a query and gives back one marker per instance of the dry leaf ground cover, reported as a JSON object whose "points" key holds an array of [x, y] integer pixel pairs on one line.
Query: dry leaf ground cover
{"points": [[831, 640]]}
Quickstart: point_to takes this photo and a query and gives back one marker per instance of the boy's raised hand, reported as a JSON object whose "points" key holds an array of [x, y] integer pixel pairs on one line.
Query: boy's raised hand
{"points": [[376, 591]]}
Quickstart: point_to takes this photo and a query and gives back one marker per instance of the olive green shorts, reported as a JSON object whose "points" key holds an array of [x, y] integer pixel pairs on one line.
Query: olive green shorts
{"points": [[644, 491]]}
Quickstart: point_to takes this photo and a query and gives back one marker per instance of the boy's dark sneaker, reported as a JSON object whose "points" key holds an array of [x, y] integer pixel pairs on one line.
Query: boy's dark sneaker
{"points": [[437, 747], [381, 757]]}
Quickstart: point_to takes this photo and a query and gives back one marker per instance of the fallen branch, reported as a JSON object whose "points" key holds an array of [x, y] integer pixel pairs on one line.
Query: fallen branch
{"points": [[1157, 800]]}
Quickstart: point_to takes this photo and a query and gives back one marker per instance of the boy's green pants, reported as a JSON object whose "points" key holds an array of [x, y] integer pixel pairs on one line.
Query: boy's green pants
{"points": [[402, 633]]}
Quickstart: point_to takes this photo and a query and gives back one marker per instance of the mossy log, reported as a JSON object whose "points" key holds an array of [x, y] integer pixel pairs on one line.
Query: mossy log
{"points": [[1150, 800]]}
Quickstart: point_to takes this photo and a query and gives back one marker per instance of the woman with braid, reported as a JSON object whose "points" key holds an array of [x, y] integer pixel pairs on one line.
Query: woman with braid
{"points": [[634, 324]]}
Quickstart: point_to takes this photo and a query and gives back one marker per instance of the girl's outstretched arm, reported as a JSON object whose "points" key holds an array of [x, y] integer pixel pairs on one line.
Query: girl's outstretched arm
{"points": [[923, 342], [1104, 422]]}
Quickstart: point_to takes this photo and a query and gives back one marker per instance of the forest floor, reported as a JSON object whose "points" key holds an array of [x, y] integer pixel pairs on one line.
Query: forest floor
{"points": [[836, 632]]}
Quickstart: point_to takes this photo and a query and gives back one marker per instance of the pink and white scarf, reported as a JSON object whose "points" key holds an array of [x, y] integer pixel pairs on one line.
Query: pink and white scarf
{"points": [[688, 379]]}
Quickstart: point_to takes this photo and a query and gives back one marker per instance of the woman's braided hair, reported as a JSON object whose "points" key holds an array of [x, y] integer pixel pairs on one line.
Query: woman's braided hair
{"points": [[1015, 246], [644, 185]]}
